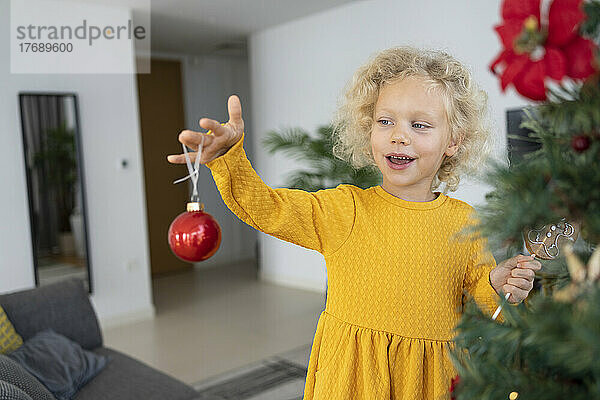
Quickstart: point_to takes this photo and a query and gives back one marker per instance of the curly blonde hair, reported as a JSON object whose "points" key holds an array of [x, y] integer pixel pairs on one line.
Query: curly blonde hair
{"points": [[465, 106]]}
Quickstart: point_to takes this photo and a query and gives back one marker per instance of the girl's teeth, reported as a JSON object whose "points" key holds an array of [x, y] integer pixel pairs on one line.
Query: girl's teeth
{"points": [[400, 160]]}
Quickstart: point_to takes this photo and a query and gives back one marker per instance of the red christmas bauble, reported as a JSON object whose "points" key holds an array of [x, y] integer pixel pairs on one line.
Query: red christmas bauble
{"points": [[194, 235], [580, 143]]}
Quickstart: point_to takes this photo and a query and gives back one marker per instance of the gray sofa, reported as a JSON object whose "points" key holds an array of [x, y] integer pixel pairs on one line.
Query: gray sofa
{"points": [[66, 308]]}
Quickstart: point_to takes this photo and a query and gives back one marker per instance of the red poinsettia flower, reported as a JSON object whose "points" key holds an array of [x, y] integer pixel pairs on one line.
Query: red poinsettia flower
{"points": [[534, 51]]}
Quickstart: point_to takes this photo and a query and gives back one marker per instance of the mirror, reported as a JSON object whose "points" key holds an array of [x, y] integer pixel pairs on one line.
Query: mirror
{"points": [[54, 168]]}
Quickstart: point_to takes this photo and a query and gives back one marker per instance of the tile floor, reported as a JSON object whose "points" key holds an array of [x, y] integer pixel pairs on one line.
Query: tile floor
{"points": [[212, 321]]}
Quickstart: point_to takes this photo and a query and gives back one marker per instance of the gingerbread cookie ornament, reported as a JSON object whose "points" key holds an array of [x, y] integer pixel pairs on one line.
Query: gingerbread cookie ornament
{"points": [[547, 241]]}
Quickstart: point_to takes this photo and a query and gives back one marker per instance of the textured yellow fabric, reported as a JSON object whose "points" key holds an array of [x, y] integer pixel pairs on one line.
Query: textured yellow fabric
{"points": [[10, 340], [396, 275]]}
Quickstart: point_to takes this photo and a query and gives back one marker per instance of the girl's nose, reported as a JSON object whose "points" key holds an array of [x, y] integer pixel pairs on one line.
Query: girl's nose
{"points": [[399, 136]]}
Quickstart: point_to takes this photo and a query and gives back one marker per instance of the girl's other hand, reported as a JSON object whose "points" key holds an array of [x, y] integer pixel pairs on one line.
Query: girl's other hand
{"points": [[515, 276], [216, 143]]}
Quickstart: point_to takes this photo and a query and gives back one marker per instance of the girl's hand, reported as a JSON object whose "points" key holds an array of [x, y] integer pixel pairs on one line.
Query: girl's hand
{"points": [[515, 276], [217, 143]]}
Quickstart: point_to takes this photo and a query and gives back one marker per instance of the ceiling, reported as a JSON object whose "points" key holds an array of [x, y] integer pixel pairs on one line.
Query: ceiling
{"points": [[215, 26]]}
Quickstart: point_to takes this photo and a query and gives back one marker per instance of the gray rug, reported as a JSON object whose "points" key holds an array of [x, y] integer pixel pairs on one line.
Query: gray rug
{"points": [[275, 378]]}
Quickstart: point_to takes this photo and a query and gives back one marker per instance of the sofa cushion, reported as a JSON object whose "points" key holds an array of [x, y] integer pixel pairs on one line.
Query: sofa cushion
{"points": [[8, 391], [62, 306], [9, 338], [127, 378], [13, 373], [59, 363]]}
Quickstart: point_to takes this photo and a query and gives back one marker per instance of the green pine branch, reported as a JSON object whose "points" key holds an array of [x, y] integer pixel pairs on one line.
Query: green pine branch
{"points": [[543, 351], [573, 108], [591, 26]]}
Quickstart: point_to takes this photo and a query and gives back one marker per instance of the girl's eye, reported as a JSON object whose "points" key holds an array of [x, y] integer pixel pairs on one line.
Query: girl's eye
{"points": [[423, 126], [384, 120]]}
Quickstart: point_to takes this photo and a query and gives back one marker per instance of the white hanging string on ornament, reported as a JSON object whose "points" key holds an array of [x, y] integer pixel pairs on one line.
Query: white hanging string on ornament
{"points": [[194, 173]]}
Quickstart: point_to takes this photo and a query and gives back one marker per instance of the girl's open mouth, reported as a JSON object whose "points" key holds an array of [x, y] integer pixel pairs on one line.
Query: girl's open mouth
{"points": [[399, 163]]}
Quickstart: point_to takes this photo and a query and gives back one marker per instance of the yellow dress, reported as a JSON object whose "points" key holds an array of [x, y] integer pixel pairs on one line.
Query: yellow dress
{"points": [[395, 279]]}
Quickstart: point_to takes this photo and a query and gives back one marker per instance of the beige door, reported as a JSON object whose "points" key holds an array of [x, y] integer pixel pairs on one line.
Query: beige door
{"points": [[161, 120]]}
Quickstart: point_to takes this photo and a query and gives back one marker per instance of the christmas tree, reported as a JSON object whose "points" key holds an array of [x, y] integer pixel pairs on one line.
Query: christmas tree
{"points": [[549, 346]]}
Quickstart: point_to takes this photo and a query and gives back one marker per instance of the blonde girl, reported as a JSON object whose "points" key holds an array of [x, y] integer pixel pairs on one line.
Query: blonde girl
{"points": [[397, 276]]}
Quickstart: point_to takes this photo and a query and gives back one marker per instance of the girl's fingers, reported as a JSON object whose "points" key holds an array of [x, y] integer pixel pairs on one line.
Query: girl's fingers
{"points": [[516, 261], [521, 283], [526, 273], [180, 158], [176, 158], [234, 108], [215, 126], [212, 142], [193, 139], [520, 259], [534, 265], [516, 294]]}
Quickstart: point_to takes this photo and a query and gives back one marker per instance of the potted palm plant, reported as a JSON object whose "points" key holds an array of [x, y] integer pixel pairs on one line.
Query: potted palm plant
{"points": [[324, 170], [58, 159]]}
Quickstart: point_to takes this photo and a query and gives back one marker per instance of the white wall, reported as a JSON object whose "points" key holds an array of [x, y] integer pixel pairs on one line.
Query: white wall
{"points": [[116, 202], [298, 70]]}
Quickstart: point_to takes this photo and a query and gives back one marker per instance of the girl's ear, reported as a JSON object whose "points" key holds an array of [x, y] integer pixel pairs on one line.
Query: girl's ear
{"points": [[452, 148]]}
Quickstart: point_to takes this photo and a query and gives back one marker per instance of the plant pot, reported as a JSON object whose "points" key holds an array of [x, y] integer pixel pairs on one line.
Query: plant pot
{"points": [[66, 243], [76, 220]]}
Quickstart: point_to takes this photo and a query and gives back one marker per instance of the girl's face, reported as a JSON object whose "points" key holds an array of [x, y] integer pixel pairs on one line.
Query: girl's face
{"points": [[411, 121]]}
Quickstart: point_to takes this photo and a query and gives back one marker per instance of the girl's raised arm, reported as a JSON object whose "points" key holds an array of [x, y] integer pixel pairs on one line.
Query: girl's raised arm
{"points": [[320, 220]]}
